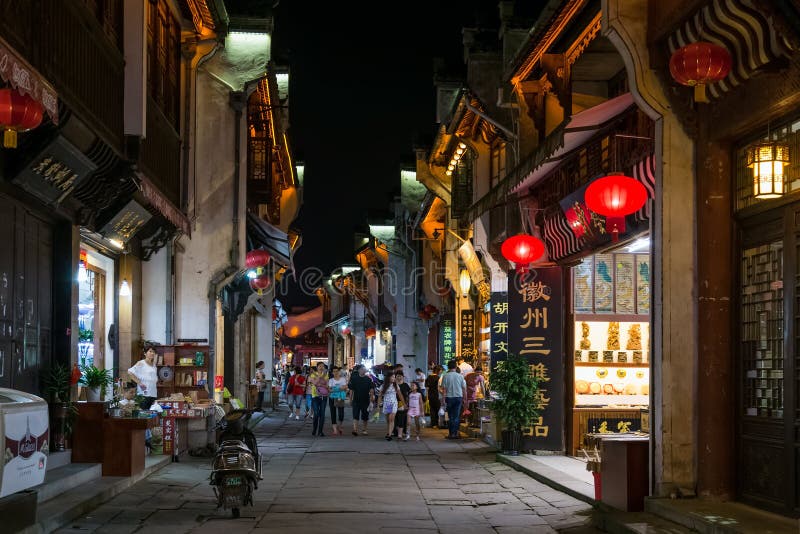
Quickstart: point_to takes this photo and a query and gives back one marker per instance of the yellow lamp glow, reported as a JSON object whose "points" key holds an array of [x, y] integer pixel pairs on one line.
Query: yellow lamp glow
{"points": [[448, 172], [768, 160], [464, 282], [462, 145], [124, 288]]}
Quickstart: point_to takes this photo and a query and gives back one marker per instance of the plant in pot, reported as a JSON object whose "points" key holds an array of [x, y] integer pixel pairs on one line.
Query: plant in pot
{"points": [[57, 383], [517, 389], [96, 382]]}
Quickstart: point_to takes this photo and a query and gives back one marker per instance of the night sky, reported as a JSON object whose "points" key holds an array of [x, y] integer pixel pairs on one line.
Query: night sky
{"points": [[361, 97]]}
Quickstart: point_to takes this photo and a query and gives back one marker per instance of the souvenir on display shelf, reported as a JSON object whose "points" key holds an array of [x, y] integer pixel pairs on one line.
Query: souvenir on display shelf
{"points": [[582, 274], [643, 284], [624, 281], [604, 283]]}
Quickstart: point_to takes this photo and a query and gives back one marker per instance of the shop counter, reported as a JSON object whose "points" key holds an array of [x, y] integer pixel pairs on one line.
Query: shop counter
{"points": [[587, 421], [123, 445]]}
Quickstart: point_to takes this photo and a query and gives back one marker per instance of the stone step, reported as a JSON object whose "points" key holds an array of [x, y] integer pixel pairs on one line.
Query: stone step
{"points": [[59, 459], [63, 479], [712, 517], [55, 513], [616, 522]]}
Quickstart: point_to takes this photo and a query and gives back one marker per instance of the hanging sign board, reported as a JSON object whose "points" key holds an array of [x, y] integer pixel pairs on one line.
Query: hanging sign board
{"points": [[535, 331], [498, 337], [447, 338], [467, 333]]}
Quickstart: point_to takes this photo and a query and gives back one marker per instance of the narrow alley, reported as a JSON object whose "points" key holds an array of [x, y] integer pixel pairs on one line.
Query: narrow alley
{"points": [[348, 484]]}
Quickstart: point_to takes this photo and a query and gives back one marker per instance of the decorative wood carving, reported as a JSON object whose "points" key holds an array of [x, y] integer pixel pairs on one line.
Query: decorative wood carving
{"points": [[558, 73], [534, 92]]}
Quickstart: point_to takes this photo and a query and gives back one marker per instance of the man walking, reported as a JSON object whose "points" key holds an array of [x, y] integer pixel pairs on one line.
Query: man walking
{"points": [[432, 385], [363, 390], [454, 389]]}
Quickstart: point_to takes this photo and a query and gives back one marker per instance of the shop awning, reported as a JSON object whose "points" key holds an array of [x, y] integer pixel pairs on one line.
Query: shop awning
{"points": [[26, 80], [261, 234], [560, 143], [161, 203], [580, 128]]}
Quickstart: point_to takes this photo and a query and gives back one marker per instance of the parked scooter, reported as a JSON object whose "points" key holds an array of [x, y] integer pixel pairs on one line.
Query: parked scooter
{"points": [[237, 463]]}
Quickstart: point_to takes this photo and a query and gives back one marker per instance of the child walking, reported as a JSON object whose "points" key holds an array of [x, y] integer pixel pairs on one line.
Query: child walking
{"points": [[414, 409]]}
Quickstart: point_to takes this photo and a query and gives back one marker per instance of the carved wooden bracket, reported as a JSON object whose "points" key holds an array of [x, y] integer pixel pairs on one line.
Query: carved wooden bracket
{"points": [[557, 69], [534, 92]]}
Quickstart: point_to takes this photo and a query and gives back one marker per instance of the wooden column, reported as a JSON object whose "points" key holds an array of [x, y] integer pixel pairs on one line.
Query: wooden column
{"points": [[715, 359]]}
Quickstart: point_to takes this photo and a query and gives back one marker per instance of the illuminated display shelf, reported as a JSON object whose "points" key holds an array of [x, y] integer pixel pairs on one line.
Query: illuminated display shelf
{"points": [[611, 364]]}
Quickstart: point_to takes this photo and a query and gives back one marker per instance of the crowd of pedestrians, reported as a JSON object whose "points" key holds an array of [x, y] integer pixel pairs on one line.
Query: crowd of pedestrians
{"points": [[403, 401]]}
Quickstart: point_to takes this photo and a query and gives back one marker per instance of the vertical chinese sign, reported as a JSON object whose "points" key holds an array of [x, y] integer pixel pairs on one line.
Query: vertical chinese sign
{"points": [[535, 331], [447, 338], [498, 337], [467, 334]]}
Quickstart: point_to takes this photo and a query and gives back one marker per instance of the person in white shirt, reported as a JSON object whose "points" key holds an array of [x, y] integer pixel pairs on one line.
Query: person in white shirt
{"points": [[463, 366], [145, 374], [337, 387]]}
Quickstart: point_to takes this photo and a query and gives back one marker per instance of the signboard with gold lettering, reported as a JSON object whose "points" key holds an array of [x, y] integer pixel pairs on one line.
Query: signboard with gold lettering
{"points": [[498, 336], [55, 172], [467, 333], [535, 331], [127, 222]]}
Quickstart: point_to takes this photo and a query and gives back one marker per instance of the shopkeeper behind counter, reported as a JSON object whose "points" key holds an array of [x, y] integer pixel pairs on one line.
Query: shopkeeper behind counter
{"points": [[145, 374]]}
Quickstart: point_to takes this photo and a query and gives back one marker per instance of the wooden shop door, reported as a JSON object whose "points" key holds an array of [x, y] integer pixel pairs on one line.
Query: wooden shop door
{"points": [[26, 281], [767, 382]]}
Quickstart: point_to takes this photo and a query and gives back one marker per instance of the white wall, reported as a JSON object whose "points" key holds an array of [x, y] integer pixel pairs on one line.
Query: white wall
{"points": [[264, 345], [208, 251], [107, 264], [155, 288]]}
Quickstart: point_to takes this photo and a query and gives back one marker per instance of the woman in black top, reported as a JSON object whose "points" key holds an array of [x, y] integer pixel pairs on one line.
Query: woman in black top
{"points": [[401, 419], [432, 387]]}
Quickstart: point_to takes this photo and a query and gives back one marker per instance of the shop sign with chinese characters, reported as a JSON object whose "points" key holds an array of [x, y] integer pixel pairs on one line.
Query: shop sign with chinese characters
{"points": [[467, 332], [535, 331], [498, 337], [447, 338]]}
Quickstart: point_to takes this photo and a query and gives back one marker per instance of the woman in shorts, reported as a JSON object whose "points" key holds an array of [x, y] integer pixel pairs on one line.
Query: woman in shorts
{"points": [[390, 396]]}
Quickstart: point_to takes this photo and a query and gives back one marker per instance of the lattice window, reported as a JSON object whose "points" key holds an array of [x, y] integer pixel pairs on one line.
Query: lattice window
{"points": [[163, 59], [761, 318]]}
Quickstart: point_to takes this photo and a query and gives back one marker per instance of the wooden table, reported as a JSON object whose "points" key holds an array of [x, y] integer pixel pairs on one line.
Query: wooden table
{"points": [[624, 471], [124, 445]]}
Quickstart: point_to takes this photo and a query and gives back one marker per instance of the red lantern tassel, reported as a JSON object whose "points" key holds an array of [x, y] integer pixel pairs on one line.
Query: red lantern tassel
{"points": [[615, 226], [10, 139], [700, 93]]}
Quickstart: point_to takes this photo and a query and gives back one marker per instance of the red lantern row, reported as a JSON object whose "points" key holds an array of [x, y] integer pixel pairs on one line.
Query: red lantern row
{"points": [[18, 113]]}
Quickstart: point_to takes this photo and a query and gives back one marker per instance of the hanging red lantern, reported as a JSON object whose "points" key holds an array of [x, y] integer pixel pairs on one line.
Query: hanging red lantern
{"points": [[260, 284], [346, 330], [615, 196], [430, 309], [522, 249], [698, 64], [369, 332], [18, 113], [257, 260]]}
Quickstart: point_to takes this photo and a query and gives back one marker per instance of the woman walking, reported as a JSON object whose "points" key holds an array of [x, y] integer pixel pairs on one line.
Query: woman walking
{"points": [[319, 398], [296, 392], [337, 385], [401, 419], [414, 409], [389, 397], [307, 373]]}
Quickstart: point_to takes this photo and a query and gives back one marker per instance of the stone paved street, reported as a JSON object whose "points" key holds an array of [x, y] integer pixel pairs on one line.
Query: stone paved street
{"points": [[348, 484]]}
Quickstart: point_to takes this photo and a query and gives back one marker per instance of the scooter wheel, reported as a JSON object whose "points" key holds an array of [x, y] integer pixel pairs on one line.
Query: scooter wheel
{"points": [[235, 513]]}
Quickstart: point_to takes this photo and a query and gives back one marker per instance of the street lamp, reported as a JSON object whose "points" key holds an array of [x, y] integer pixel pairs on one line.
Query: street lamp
{"points": [[464, 282]]}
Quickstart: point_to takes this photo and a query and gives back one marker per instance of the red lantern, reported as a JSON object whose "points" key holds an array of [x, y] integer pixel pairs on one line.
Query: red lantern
{"points": [[260, 284], [257, 259], [522, 249], [369, 332], [430, 309], [346, 330], [615, 196], [698, 64], [18, 113]]}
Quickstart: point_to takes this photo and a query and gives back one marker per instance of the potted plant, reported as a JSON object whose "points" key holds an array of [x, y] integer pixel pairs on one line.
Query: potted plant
{"points": [[96, 381], [517, 389], [57, 385]]}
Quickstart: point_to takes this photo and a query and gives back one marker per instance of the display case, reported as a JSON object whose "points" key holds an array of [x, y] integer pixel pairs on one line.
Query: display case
{"points": [[182, 368]]}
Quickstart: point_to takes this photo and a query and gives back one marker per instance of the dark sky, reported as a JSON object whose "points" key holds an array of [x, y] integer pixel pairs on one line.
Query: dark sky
{"points": [[361, 97]]}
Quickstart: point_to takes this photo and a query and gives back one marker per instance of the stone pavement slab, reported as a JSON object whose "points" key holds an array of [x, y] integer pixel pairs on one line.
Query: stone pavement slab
{"points": [[346, 484]]}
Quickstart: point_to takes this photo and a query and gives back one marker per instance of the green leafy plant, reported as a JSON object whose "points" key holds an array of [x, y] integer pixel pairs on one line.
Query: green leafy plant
{"points": [[97, 378], [84, 334], [56, 380], [518, 391]]}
